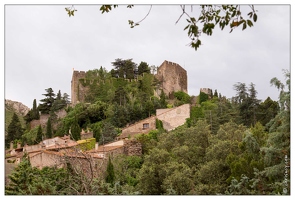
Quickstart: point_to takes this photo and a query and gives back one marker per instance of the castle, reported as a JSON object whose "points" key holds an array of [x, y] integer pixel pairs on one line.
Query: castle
{"points": [[171, 76]]}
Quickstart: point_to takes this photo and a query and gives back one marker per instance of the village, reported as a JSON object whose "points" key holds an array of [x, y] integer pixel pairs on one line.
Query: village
{"points": [[57, 151]]}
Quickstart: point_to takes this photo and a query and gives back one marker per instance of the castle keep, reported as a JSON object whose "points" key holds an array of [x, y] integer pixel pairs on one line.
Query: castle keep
{"points": [[171, 76], [77, 90]]}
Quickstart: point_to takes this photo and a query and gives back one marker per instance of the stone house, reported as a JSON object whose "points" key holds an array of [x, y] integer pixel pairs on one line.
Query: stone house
{"points": [[171, 118]]}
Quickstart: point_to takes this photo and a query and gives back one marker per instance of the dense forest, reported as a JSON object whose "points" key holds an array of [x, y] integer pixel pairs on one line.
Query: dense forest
{"points": [[238, 145]]}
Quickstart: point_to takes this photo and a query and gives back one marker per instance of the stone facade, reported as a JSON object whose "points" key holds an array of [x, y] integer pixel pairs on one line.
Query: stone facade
{"points": [[78, 91], [171, 118], [172, 78], [142, 126]]}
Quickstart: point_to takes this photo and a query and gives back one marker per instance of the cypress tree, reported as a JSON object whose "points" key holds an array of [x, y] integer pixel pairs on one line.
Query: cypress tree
{"points": [[110, 177], [39, 134], [76, 130], [35, 111], [48, 129]]}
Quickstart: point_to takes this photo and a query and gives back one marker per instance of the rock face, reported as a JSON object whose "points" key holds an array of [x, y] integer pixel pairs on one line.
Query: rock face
{"points": [[18, 107]]}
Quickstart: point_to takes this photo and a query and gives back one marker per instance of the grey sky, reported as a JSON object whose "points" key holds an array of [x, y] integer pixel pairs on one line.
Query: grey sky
{"points": [[43, 44]]}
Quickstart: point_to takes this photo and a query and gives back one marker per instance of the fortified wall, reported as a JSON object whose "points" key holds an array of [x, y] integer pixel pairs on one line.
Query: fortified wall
{"points": [[171, 76]]}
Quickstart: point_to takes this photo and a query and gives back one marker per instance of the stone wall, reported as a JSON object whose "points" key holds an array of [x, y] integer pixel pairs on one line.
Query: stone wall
{"points": [[206, 90], [42, 121], [143, 126], [175, 117], [44, 118], [172, 78], [77, 89], [132, 148]]}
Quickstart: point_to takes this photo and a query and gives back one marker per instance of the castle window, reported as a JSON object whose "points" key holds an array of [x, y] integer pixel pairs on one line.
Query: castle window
{"points": [[145, 126]]}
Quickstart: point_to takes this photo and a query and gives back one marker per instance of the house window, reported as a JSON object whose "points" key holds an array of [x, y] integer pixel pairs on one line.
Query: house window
{"points": [[146, 126]]}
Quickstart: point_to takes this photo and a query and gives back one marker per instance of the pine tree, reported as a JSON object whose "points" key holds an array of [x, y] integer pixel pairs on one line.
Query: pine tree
{"points": [[45, 107], [20, 178], [14, 131], [143, 67]]}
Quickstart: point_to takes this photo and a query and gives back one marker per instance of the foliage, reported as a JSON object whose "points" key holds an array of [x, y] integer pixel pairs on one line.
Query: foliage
{"points": [[210, 17], [203, 97], [110, 174], [247, 103], [183, 97], [33, 136], [86, 144], [48, 129], [45, 107], [14, 130]]}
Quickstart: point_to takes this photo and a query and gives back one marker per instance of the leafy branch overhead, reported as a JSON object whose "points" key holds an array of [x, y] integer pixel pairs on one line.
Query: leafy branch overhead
{"points": [[210, 16]]}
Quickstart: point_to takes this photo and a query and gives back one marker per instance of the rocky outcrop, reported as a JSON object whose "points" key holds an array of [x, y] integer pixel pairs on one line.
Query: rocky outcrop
{"points": [[17, 107]]}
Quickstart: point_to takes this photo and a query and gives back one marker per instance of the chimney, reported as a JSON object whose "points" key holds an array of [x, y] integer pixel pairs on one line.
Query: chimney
{"points": [[18, 145], [11, 145], [96, 146]]}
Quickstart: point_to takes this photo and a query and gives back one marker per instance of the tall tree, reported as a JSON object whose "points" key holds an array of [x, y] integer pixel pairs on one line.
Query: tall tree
{"points": [[48, 129], [35, 111], [277, 152], [247, 103], [267, 110], [45, 107], [110, 173], [14, 131], [39, 137], [75, 130], [143, 67]]}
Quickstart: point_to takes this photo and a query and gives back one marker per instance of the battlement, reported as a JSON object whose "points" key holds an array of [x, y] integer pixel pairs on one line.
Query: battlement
{"points": [[207, 91]]}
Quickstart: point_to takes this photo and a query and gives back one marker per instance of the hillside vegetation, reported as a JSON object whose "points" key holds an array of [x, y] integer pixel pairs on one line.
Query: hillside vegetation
{"points": [[231, 146]]}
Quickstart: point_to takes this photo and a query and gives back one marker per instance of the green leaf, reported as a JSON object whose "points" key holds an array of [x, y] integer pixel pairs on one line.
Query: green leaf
{"points": [[244, 26], [186, 27], [249, 22], [255, 17]]}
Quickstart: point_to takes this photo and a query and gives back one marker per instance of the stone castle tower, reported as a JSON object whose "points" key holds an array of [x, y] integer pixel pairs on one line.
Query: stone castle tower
{"points": [[77, 89], [172, 78]]}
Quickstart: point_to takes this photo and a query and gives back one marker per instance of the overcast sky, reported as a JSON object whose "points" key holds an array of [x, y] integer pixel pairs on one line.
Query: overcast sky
{"points": [[43, 45]]}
